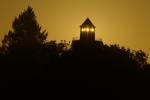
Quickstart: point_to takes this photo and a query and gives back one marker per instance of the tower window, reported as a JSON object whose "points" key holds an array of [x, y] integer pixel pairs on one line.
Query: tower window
{"points": [[87, 29], [92, 29]]}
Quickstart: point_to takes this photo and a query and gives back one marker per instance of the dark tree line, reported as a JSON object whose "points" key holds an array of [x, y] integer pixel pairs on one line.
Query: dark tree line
{"points": [[25, 50]]}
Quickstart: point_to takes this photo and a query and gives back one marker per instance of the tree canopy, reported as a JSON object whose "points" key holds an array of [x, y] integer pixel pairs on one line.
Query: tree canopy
{"points": [[26, 32], [25, 49]]}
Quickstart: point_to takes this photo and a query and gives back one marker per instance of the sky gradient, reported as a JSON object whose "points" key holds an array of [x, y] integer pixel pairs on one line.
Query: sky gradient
{"points": [[124, 22]]}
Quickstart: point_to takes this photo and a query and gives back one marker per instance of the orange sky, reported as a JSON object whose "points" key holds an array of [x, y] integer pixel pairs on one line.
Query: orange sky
{"points": [[125, 22]]}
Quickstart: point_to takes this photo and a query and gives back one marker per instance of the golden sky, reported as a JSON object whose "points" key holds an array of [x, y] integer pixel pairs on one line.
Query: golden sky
{"points": [[125, 22]]}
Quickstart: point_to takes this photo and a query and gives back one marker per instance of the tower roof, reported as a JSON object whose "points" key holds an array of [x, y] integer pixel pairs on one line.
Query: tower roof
{"points": [[88, 23]]}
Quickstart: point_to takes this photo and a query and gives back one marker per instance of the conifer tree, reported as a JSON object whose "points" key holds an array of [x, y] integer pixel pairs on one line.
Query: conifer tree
{"points": [[25, 33]]}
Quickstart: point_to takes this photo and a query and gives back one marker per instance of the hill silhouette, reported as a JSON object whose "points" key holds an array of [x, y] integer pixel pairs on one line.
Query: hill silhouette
{"points": [[26, 56]]}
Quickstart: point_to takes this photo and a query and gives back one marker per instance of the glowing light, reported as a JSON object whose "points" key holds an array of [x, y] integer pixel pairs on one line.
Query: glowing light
{"points": [[87, 29], [92, 29], [82, 29]]}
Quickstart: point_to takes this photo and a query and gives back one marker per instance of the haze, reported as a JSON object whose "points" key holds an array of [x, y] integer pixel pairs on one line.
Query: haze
{"points": [[124, 22]]}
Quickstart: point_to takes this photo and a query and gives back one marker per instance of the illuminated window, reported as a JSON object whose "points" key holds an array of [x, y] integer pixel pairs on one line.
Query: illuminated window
{"points": [[87, 29], [92, 29], [83, 30]]}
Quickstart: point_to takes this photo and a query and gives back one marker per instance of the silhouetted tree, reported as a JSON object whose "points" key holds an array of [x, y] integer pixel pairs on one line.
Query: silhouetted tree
{"points": [[25, 49], [141, 57], [63, 47], [26, 32], [23, 43]]}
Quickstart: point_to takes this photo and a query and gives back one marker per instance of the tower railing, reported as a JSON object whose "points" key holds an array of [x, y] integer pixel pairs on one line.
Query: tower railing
{"points": [[75, 38]]}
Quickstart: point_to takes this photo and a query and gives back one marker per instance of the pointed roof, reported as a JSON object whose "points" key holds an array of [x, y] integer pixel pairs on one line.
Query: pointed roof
{"points": [[87, 22]]}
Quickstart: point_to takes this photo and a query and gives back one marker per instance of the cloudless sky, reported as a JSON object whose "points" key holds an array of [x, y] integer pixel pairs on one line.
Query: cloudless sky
{"points": [[125, 22]]}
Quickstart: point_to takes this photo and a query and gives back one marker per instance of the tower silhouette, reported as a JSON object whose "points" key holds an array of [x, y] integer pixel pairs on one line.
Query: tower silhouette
{"points": [[87, 36], [87, 31]]}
